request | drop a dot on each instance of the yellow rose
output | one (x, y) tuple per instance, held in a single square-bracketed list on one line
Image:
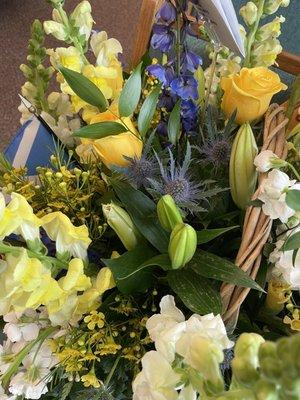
[(250, 93), (112, 150)]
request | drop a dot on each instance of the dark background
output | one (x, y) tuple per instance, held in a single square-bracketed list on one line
[(117, 17)]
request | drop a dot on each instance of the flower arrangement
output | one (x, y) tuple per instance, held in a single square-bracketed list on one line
[(140, 208)]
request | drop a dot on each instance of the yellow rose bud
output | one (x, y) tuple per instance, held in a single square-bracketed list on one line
[(119, 220), (250, 93), (242, 172), (183, 244)]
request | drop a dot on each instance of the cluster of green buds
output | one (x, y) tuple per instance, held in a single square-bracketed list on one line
[(74, 29), (37, 75), (242, 172), (262, 44), (183, 238), (120, 221), (266, 370)]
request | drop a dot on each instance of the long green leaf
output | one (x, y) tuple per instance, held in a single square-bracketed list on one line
[(84, 88), (131, 93), (161, 260), (293, 199), (147, 111), (197, 293), (143, 213), (206, 235), (292, 242), (100, 130), (174, 124), (211, 266), (129, 273)]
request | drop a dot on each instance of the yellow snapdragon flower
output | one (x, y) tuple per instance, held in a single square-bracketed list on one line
[(68, 57), (69, 238), (105, 50), (75, 279), (18, 218)]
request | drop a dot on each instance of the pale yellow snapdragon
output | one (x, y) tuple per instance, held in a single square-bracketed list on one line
[(69, 238)]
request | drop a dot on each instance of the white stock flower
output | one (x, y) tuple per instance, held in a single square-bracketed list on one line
[(286, 267), (273, 194), (32, 381), (4, 396), (263, 161), (157, 380), (166, 328), (22, 326)]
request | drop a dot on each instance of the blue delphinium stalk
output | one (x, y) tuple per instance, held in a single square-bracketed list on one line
[(176, 75)]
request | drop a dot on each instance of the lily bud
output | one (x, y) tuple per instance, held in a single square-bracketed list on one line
[(119, 220), (183, 244), (242, 172), (249, 13), (168, 213)]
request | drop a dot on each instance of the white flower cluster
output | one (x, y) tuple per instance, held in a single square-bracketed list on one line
[(193, 344), (275, 187), (31, 378), (286, 264)]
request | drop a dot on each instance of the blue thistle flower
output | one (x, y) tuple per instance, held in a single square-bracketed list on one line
[(177, 181), (216, 151)]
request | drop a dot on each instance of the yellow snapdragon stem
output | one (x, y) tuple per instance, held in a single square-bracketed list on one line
[(20, 356), (251, 38)]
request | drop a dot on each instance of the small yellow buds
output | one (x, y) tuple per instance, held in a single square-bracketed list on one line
[(168, 213), (119, 220), (242, 172), (183, 244)]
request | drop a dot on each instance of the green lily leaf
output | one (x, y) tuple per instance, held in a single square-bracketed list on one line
[(213, 267), (206, 235), (197, 293), (293, 199)]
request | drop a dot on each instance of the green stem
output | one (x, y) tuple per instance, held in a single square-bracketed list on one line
[(20, 356), (252, 34), (292, 168), (112, 371), (178, 44)]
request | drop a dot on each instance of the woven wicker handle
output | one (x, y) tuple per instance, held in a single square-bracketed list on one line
[(257, 226)]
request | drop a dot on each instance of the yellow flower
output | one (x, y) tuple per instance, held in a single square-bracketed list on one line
[(68, 57), (18, 218), (94, 320), (104, 281), (90, 379), (249, 92), (69, 238), (113, 150), (83, 19), (105, 50), (294, 323), (75, 280)]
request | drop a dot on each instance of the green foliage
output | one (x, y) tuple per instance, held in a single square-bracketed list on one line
[(174, 124), (84, 88), (198, 294), (100, 130), (293, 199), (147, 111), (131, 93)]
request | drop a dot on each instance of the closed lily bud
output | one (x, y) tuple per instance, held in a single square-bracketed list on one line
[(183, 244), (242, 172), (249, 13), (119, 220), (168, 213)]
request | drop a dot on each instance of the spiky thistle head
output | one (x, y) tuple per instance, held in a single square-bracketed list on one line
[(139, 170), (177, 181), (216, 151)]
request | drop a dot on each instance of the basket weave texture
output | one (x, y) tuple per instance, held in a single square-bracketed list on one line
[(257, 226)]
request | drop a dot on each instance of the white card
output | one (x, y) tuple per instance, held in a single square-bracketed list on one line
[(221, 14)]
